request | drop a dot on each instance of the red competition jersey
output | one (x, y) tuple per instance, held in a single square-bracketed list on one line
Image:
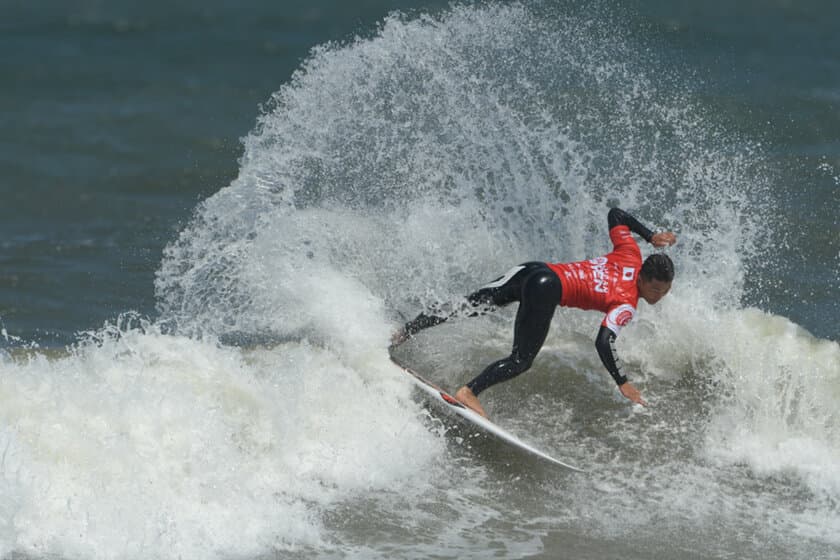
[(605, 283)]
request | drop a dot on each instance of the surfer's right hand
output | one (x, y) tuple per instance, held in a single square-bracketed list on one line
[(630, 392)]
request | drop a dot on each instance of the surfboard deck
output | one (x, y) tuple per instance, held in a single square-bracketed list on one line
[(453, 405)]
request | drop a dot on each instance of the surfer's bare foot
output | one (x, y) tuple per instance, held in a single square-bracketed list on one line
[(399, 337), (466, 397)]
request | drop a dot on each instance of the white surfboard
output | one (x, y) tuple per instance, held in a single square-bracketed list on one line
[(477, 419)]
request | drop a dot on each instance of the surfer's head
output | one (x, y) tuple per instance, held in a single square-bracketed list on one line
[(655, 277)]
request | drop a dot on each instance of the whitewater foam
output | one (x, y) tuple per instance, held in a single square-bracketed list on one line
[(148, 444)]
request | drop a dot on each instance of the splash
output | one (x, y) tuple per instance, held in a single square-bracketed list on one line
[(421, 161), (138, 443)]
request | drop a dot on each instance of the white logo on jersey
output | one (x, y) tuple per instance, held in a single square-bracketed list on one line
[(619, 317), (628, 273), (599, 271)]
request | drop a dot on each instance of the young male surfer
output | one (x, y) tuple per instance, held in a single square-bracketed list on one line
[(611, 284)]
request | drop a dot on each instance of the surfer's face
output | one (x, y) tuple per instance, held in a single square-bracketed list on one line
[(653, 290)]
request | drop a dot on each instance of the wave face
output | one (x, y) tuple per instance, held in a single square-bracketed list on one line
[(260, 414)]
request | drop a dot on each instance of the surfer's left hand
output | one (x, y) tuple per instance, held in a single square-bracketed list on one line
[(663, 239), (630, 392)]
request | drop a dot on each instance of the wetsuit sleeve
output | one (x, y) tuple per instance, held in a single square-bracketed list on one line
[(618, 217), (605, 344)]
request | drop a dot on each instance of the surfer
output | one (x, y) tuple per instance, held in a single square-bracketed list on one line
[(612, 284)]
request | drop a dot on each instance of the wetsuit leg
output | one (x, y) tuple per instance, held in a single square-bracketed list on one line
[(540, 293), (423, 321), (505, 289), (498, 293)]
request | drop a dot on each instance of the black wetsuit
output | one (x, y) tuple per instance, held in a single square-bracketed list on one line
[(538, 291)]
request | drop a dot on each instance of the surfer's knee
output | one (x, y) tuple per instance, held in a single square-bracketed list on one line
[(519, 364), (483, 296)]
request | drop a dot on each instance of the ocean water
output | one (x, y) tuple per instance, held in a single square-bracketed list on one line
[(214, 216)]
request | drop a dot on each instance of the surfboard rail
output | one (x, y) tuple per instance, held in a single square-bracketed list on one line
[(458, 408)]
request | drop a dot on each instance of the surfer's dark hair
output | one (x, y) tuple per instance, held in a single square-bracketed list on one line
[(658, 267)]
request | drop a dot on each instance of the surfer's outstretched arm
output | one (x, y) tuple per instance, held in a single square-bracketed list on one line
[(618, 217), (605, 344)]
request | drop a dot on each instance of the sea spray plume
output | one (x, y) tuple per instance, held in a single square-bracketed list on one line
[(416, 162)]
